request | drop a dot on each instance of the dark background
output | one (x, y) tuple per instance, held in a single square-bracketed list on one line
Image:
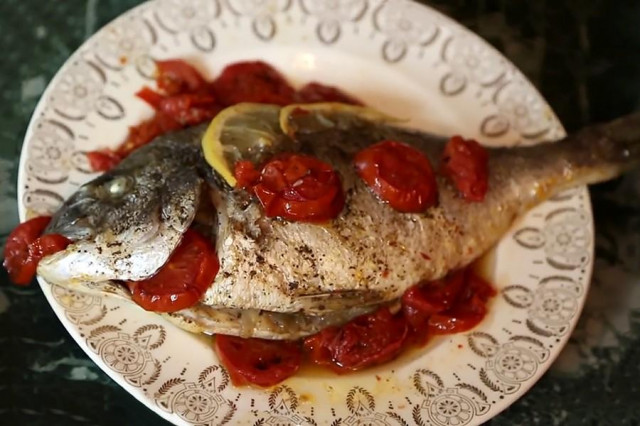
[(583, 55)]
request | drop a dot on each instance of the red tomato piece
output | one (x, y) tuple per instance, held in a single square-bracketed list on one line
[(16, 250), (25, 247), (182, 281), (316, 92), (481, 287), (466, 162), (245, 174), (469, 310), (146, 131), (451, 305), (189, 109), (150, 96), (176, 76), (258, 361), (399, 175), (252, 81), (363, 342), (299, 187), (47, 244), (103, 160), (422, 301)]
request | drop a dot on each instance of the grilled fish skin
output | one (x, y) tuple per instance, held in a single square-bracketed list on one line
[(372, 253), (369, 255)]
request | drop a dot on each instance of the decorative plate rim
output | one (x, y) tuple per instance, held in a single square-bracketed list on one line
[(75, 332)]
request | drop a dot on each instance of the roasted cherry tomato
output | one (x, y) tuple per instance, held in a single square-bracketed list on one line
[(316, 92), (252, 81), (299, 187), (190, 109), (25, 248), (176, 76), (398, 174), (465, 161), (245, 173), (103, 160), (48, 244), (146, 131), (470, 307), (258, 361), (150, 96), (182, 281), (363, 342), (187, 109), (422, 301), (453, 304)]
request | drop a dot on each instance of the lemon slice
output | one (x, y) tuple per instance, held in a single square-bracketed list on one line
[(324, 115), (245, 131)]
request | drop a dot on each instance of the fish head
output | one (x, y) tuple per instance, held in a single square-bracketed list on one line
[(125, 223)]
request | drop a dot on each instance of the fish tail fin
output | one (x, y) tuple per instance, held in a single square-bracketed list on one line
[(615, 144), (623, 137), (603, 151)]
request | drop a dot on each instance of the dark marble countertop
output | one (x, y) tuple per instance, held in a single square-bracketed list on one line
[(583, 55)]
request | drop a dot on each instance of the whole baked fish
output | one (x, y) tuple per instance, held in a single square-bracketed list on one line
[(283, 279)]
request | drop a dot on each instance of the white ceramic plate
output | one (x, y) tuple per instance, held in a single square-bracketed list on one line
[(398, 56)]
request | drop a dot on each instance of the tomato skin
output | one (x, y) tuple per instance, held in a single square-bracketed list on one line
[(453, 304), (187, 109), (258, 361), (245, 173), (182, 281), (190, 109), (25, 247), (465, 162), (252, 81), (177, 76), (317, 92), (363, 342), (150, 96), (399, 175), (139, 135), (146, 131), (48, 244), (103, 160), (16, 250), (421, 302), (299, 187), (469, 310)]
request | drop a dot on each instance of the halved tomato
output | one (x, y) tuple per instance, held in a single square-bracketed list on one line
[(470, 307), (252, 81), (398, 174), (103, 160), (182, 281), (176, 76), (245, 173), (258, 361), (317, 92), (465, 161), (365, 341), (25, 248), (299, 187)]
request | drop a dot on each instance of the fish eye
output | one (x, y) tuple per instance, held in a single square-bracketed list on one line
[(118, 186)]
